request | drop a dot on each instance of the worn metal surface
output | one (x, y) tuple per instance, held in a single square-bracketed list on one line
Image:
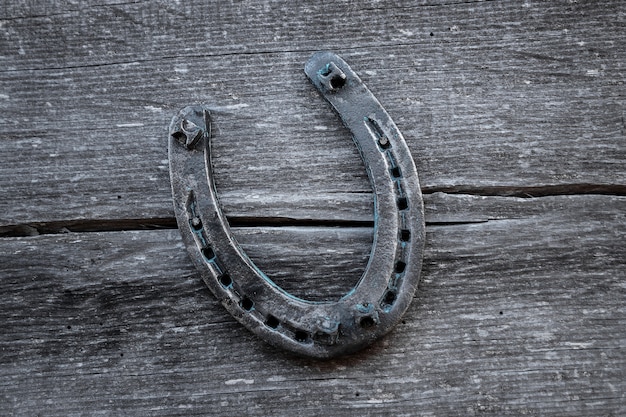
[(386, 288)]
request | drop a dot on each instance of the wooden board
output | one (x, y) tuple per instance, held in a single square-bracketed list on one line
[(120, 322), (502, 97), (514, 113)]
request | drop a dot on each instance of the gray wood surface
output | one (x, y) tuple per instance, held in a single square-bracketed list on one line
[(514, 113), (502, 95), (118, 322)]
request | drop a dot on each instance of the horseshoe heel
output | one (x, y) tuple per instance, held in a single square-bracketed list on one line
[(386, 288)]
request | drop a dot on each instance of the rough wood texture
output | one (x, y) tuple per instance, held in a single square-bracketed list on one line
[(120, 322), (521, 310), (503, 94)]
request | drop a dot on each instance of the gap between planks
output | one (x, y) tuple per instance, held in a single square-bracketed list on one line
[(116, 225)]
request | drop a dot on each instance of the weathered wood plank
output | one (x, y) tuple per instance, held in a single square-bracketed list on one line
[(521, 310), (503, 94), (440, 208), (521, 315)]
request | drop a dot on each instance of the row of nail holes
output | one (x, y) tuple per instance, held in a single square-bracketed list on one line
[(225, 280), (404, 234), (271, 321)]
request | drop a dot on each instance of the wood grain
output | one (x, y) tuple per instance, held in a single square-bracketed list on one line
[(514, 114), (501, 95), (119, 322)]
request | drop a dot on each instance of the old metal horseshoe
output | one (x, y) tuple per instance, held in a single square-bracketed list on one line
[(383, 293)]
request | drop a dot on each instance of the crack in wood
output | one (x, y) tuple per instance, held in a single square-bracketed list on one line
[(119, 225), (116, 225), (77, 226), (532, 191)]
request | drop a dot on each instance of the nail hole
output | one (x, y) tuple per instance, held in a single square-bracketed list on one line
[(179, 136), (247, 304), (225, 280), (366, 322), (208, 253), (403, 203), (325, 338), (196, 223), (390, 297), (272, 322), (337, 81), (395, 171), (301, 336), (432, 34), (384, 142), (405, 235), (400, 266)]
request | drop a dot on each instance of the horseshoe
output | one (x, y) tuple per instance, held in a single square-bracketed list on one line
[(383, 293)]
